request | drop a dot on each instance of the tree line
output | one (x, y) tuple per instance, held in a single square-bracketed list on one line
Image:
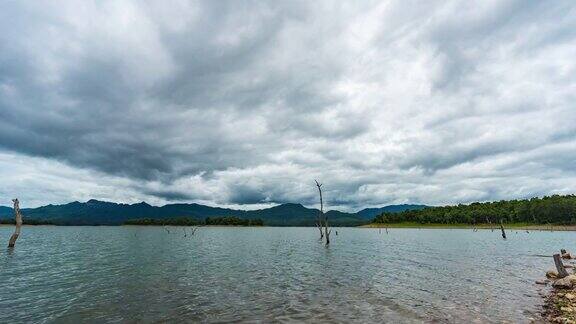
[(188, 221), (27, 222), (556, 209)]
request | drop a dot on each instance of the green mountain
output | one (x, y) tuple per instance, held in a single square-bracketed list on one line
[(95, 212), (5, 212)]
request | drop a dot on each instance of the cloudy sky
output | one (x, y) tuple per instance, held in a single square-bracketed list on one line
[(245, 103)]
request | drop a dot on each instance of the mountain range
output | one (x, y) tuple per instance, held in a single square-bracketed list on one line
[(95, 212)]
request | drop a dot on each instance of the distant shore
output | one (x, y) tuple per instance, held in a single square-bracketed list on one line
[(515, 226)]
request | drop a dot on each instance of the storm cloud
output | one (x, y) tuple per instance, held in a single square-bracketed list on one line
[(245, 103)]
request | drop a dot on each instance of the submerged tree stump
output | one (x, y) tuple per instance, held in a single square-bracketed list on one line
[(565, 255), (18, 217), (502, 229), (560, 266)]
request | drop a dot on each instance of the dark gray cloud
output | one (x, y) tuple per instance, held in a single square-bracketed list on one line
[(168, 195), (244, 103)]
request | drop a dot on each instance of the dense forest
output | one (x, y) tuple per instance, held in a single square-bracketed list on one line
[(554, 209), (234, 221), (188, 221)]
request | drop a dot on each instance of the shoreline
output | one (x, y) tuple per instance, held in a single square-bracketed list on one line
[(512, 226), (560, 297)]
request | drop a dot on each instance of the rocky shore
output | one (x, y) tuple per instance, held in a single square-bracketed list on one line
[(560, 302)]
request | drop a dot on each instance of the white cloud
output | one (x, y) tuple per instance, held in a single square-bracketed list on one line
[(246, 103)]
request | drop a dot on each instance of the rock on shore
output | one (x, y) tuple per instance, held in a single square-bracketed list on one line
[(560, 306)]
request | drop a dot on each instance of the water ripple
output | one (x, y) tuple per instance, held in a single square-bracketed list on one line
[(284, 275)]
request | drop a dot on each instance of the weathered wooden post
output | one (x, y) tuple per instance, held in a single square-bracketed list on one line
[(502, 228), (18, 216), (560, 266)]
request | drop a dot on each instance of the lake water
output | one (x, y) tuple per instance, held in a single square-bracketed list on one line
[(144, 274)]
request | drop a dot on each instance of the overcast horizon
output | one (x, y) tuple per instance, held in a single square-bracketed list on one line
[(244, 104)]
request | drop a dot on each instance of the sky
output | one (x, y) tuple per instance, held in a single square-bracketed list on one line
[(244, 103)]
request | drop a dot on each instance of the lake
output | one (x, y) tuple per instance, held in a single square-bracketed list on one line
[(224, 274)]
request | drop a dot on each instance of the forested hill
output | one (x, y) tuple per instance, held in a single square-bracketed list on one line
[(95, 212), (547, 210), (372, 212)]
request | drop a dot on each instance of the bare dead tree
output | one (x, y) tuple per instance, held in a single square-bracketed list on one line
[(322, 216), (320, 212), (18, 216)]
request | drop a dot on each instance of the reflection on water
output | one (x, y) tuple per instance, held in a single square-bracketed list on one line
[(145, 274)]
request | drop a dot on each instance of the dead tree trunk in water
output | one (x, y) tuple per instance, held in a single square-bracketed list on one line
[(327, 231), (321, 216), (319, 226), (18, 216), (502, 229), (560, 266), (320, 212)]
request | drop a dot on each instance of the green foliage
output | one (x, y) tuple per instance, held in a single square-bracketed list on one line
[(554, 209)]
